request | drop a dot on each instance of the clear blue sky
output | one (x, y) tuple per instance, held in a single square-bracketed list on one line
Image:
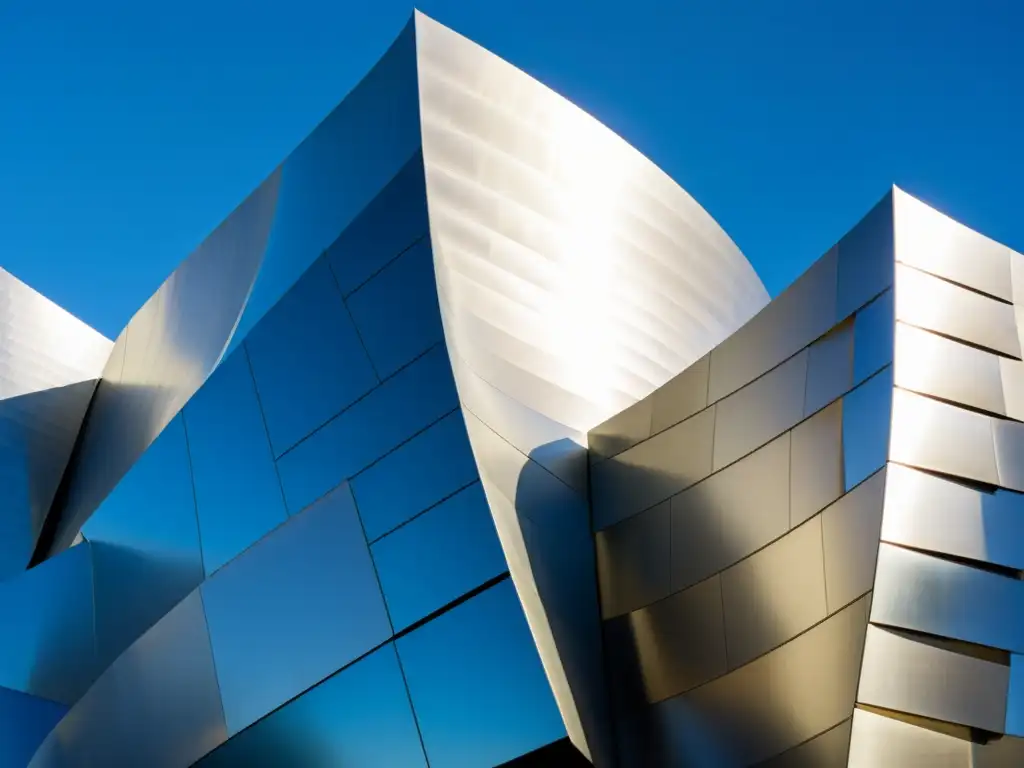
[(128, 130)]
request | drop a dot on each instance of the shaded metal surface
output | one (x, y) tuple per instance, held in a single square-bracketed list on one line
[(49, 364), (352, 482), (157, 705), (574, 278), (163, 356)]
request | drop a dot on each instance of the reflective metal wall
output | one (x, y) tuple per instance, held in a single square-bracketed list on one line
[(736, 513), (807, 542), (49, 364), (574, 277), (937, 683)]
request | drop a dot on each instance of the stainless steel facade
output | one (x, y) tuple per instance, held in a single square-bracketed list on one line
[(818, 563), (470, 439)]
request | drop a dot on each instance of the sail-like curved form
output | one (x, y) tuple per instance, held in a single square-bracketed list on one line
[(331, 492), (574, 277), (469, 439)]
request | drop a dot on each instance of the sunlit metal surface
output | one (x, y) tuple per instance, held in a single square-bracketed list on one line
[(49, 364), (574, 278), (470, 431), (886, 372)]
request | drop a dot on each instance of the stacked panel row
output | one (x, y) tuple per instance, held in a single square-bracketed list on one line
[(737, 513), (308, 539), (937, 685)]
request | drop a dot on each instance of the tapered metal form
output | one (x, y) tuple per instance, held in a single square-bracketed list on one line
[(329, 502), (469, 439)]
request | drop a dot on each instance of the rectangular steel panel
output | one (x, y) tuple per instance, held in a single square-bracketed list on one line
[(917, 675), (936, 366), (681, 397), (731, 514), (877, 740), (760, 411), (850, 532), (936, 305), (816, 463), (930, 594), (672, 645), (933, 242), (774, 594), (933, 435), (936, 514), (798, 316), (829, 367), (633, 561), (652, 471)]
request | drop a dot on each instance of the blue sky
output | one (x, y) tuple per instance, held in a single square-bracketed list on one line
[(129, 130)]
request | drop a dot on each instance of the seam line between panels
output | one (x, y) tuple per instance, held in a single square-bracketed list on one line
[(958, 284), (402, 444), (805, 741), (958, 340), (195, 496), (390, 641), (735, 391), (744, 456), (325, 494), (351, 319), (373, 563), (707, 397), (966, 562), (957, 404), (216, 674), (606, 665), (760, 656), (526, 456), (424, 511), (359, 399), (391, 260), (266, 428), (299, 695), (749, 555), (968, 482), (412, 706), (451, 604)]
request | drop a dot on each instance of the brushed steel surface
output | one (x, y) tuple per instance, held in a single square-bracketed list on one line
[(942, 368), (918, 675), (933, 435), (935, 243), (940, 306), (937, 514)]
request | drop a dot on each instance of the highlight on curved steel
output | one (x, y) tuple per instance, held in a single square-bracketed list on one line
[(329, 501), (470, 439), (809, 543)]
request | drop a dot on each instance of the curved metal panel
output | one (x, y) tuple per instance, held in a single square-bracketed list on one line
[(934, 243), (936, 514), (574, 278), (49, 364), (157, 705), (163, 356), (937, 305), (917, 674), (876, 740), (767, 706)]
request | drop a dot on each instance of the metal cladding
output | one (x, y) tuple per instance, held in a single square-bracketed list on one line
[(808, 543), (470, 439), (329, 501)]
